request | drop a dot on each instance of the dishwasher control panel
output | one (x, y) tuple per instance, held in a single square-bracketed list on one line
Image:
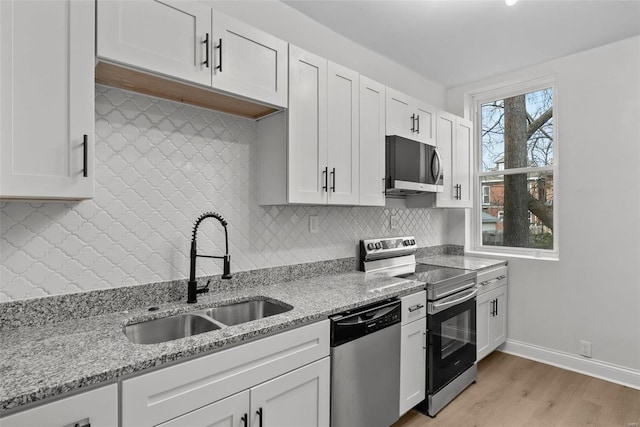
[(357, 323)]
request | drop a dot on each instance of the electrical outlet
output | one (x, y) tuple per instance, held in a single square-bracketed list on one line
[(585, 348), (313, 224), (393, 221)]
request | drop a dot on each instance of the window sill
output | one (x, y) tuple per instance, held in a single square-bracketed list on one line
[(536, 255)]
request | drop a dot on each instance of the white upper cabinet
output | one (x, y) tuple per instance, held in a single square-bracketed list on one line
[(307, 140), (47, 99), (189, 41), (311, 155), (454, 137), (248, 62), (372, 142), (167, 37), (343, 135), (409, 118)]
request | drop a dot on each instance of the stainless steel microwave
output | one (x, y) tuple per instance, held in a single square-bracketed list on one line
[(412, 167)]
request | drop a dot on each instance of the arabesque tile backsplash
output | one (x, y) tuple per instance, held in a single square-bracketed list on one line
[(159, 165)]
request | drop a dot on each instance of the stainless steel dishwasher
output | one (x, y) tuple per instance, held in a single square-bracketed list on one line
[(365, 366)]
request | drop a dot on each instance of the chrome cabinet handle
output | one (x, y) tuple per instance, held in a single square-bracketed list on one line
[(259, 412), (384, 181), (245, 420), (415, 307), (413, 123), (418, 123)]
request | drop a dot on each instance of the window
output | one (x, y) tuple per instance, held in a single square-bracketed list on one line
[(517, 170), (486, 200)]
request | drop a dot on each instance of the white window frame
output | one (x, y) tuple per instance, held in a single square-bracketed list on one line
[(473, 241)]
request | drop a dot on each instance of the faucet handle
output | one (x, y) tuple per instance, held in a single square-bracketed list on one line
[(204, 289)]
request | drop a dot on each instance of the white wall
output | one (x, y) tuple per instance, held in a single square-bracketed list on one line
[(288, 24), (593, 292)]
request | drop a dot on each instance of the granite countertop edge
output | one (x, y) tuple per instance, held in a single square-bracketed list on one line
[(41, 363), (466, 262)]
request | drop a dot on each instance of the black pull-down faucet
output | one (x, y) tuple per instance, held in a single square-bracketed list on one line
[(192, 289)]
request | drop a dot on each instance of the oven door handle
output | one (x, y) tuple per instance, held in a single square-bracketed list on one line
[(438, 307)]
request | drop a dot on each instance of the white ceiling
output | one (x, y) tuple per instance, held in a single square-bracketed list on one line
[(456, 42)]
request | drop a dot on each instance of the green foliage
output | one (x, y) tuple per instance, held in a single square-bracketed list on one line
[(541, 241)]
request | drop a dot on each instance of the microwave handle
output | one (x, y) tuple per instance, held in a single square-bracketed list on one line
[(437, 175)]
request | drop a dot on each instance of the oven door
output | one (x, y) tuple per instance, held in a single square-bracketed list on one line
[(452, 338)]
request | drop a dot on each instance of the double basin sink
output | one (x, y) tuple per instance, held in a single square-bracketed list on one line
[(197, 322)]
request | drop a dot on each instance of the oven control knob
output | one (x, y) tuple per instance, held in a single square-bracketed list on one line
[(406, 243), (413, 242), (378, 245), (370, 246)]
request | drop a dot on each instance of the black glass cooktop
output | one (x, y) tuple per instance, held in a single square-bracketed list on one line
[(433, 274)]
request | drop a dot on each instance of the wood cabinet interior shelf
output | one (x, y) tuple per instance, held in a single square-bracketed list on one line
[(148, 84)]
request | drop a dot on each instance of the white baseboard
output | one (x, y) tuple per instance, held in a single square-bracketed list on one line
[(595, 368)]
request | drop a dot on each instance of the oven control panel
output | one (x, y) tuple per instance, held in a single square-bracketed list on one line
[(388, 246)]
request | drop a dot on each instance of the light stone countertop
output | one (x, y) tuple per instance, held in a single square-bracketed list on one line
[(466, 262), (41, 362)]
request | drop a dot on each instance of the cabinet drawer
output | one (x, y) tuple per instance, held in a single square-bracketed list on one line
[(414, 307), (159, 396), (97, 407), (492, 279)]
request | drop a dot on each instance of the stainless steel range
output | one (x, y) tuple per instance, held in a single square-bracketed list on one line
[(451, 315)]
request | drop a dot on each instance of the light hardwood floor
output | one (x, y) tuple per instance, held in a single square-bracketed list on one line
[(512, 392)]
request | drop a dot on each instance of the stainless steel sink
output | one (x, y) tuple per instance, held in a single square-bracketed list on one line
[(246, 311), (169, 328)]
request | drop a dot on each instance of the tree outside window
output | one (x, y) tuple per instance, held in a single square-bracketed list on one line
[(517, 154)]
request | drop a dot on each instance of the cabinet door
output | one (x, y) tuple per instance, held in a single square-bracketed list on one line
[(167, 37), (446, 132), (97, 407), (425, 123), (463, 162), (47, 99), (307, 166), (372, 148), (413, 362), (248, 62), (483, 324), (498, 333), (399, 114), (227, 412), (297, 399), (343, 135)]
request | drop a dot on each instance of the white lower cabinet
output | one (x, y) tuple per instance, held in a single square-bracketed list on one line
[(413, 352), (299, 398), (286, 376), (98, 408), (491, 313)]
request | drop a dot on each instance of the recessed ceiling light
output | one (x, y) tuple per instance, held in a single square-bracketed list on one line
[(510, 2)]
